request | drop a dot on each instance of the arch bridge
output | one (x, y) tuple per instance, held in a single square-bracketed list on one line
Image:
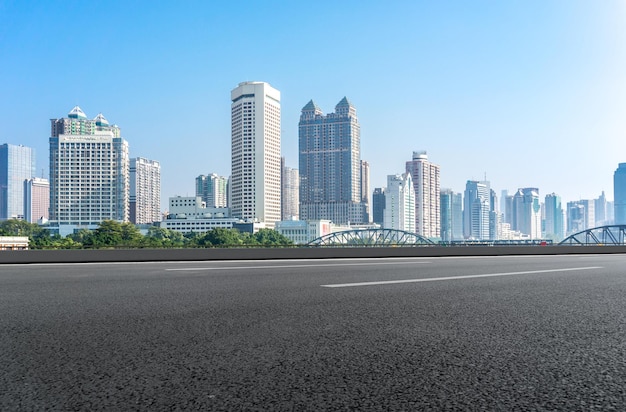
[(602, 235), (371, 237)]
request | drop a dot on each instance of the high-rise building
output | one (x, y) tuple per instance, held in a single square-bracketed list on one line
[(255, 153), (425, 176), (400, 203), (619, 193), (330, 164), (213, 189), (36, 200), (476, 210), (527, 212), (554, 227), (89, 171), (17, 164), (291, 192), (365, 190), (601, 210), (495, 218), (145, 191), (378, 205), (581, 215), (451, 215)]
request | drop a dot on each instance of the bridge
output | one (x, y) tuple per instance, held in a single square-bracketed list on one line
[(372, 237), (602, 235)]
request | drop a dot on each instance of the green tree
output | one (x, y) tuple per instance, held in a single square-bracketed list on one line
[(220, 237), (270, 237), (159, 237)]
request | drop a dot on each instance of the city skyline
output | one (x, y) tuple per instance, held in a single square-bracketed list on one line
[(516, 91)]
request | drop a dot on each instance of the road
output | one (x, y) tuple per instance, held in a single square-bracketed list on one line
[(484, 333)]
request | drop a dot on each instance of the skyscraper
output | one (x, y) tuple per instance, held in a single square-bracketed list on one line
[(17, 164), (255, 153), (213, 189), (527, 212), (619, 190), (600, 207), (89, 171), (365, 190), (36, 199), (554, 228), (451, 215), (425, 176), (378, 205), (145, 191), (476, 210), (291, 192), (581, 215), (400, 203), (330, 164)]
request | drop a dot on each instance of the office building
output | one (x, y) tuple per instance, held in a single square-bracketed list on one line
[(581, 215), (476, 210), (191, 214), (17, 164), (145, 191), (290, 192), (451, 215), (330, 165), (527, 212), (255, 153), (36, 200), (378, 205), (425, 176), (89, 171), (303, 231), (213, 189), (365, 190), (619, 193), (400, 203), (601, 210), (554, 227)]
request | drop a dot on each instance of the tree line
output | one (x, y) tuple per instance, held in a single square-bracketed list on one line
[(114, 234)]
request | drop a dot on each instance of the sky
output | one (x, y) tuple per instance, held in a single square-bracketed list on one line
[(524, 93)]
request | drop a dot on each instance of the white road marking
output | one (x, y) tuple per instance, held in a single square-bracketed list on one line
[(290, 266), (489, 275)]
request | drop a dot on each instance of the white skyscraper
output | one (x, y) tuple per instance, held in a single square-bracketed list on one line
[(399, 203), (427, 195), (255, 153), (89, 171), (145, 191)]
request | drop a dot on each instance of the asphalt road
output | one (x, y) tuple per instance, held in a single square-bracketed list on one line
[(487, 333)]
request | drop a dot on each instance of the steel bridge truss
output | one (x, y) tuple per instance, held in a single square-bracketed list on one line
[(603, 235), (371, 237)]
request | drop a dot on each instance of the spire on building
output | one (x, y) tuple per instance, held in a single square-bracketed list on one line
[(76, 113), (101, 120)]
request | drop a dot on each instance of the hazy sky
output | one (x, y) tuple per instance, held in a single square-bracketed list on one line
[(531, 93)]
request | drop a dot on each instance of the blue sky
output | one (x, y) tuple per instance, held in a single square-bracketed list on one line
[(529, 93)]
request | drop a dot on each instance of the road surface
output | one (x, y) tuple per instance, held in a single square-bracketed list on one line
[(484, 333)]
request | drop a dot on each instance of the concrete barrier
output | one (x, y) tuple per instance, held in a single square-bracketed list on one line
[(161, 255)]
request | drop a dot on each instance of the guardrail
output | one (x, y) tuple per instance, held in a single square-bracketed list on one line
[(160, 255)]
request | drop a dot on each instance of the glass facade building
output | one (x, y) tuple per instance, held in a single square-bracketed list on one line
[(17, 164), (619, 190)]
